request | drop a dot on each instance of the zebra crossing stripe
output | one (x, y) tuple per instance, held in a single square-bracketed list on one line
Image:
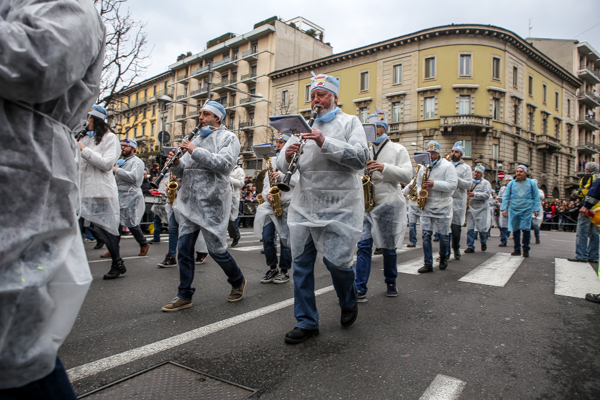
[(496, 271), (410, 267), (444, 388), (248, 248), (574, 279)]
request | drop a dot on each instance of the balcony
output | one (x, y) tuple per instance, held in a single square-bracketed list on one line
[(230, 127), (221, 87), (545, 142), (200, 92), (247, 126), (180, 116), (571, 181), (248, 78), (589, 75), (182, 77), (589, 123), (247, 102), (395, 127), (224, 64), (480, 123), (250, 55), (589, 99), (194, 113), (198, 73), (588, 148), (168, 92)]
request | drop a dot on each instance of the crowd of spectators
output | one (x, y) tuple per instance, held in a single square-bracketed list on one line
[(561, 215)]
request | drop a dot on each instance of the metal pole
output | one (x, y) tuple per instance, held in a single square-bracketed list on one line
[(209, 83)]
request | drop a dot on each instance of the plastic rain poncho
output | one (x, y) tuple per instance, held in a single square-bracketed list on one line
[(51, 57), (327, 203), (204, 197), (438, 206), (161, 209), (129, 177), (524, 198), (388, 218), (537, 221), (414, 213), (236, 178), (459, 197), (99, 194), (478, 214), (493, 206), (264, 212), (502, 221)]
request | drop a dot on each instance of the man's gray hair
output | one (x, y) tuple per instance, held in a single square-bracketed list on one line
[(592, 167)]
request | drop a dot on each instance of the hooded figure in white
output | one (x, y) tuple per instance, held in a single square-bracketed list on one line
[(384, 226), (129, 176), (44, 95), (326, 211), (502, 220), (478, 214), (236, 178)]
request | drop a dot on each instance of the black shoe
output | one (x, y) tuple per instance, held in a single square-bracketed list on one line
[(235, 241), (200, 258), (457, 254), (153, 241), (436, 240), (349, 316), (502, 245), (169, 262), (99, 245), (116, 269), (425, 268), (516, 253), (469, 250), (299, 335), (377, 251), (483, 246), (593, 262), (443, 263), (576, 260), (525, 253), (594, 298), (537, 241)]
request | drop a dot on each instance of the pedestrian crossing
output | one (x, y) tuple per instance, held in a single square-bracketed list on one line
[(494, 272)]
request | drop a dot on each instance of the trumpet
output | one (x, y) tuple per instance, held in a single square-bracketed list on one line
[(423, 193), (177, 155), (412, 193), (284, 185)]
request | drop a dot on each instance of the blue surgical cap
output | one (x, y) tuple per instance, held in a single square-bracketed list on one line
[(215, 108), (99, 112), (325, 82)]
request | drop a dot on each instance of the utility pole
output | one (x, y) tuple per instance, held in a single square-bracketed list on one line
[(530, 27)]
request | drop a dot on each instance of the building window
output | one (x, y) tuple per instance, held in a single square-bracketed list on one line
[(516, 151), (396, 112), (429, 107), (135, 131), (152, 128), (556, 100), (516, 114), (284, 98), (307, 93), (464, 105), (495, 151), (568, 168), (496, 109), (252, 89), (153, 110), (465, 65), (530, 87), (235, 53), (234, 76), (253, 69), (515, 77), (544, 94), (143, 129), (232, 97), (397, 74), (544, 162), (530, 157), (364, 81), (430, 68), (496, 68), (223, 99), (530, 127), (364, 115), (544, 124), (467, 144), (154, 91), (557, 129), (556, 165), (254, 46), (569, 135), (568, 107)]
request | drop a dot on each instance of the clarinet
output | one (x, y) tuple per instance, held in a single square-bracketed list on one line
[(285, 184), (177, 155)]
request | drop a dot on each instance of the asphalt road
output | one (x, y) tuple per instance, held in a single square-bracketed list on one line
[(517, 341)]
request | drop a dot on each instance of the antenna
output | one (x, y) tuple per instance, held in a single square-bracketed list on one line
[(530, 27)]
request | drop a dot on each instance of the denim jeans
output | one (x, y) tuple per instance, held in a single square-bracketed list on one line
[(472, 236), (270, 247), (55, 385), (363, 265), (412, 233), (586, 247), (455, 237), (111, 241), (305, 305), (503, 235), (187, 267), (137, 233), (536, 230), (428, 250), (157, 227), (173, 235), (526, 239)]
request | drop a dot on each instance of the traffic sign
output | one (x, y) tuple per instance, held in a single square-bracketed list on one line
[(500, 175), (164, 137)]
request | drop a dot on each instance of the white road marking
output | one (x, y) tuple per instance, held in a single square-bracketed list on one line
[(405, 249), (104, 364), (249, 248), (411, 267), (496, 271), (574, 279), (568, 241), (124, 258), (444, 388)]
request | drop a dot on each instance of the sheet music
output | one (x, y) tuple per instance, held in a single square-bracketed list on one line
[(422, 157), (290, 124)]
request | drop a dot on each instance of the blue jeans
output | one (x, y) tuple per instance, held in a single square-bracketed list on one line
[(503, 235), (472, 236), (173, 235), (412, 233), (270, 247), (428, 250), (363, 265), (586, 247), (305, 305), (455, 237), (187, 267), (526, 239), (536, 230), (157, 227), (54, 386)]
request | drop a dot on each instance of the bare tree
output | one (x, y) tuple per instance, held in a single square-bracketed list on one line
[(126, 58), (284, 106)]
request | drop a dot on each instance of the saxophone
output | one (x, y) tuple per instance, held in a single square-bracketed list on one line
[(423, 193), (412, 193), (467, 208), (274, 191), (368, 190), (172, 190)]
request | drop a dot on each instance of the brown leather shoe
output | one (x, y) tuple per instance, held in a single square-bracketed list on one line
[(144, 250), (177, 304), (411, 245), (237, 293), (105, 255)]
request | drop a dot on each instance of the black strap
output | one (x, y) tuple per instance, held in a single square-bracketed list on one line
[(375, 154)]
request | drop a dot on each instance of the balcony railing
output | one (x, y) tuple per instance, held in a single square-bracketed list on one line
[(249, 52), (590, 99), (248, 76), (245, 100), (547, 142), (200, 70), (588, 147), (194, 113), (588, 74), (182, 76), (395, 127), (198, 91), (247, 125), (180, 116), (448, 122), (589, 122)]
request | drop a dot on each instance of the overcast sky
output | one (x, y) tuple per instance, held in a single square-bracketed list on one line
[(179, 26)]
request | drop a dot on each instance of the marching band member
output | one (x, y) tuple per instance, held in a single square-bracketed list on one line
[(478, 214), (536, 223), (414, 214), (441, 184), (204, 202), (464, 177), (502, 220), (326, 211), (385, 224), (236, 178), (266, 223)]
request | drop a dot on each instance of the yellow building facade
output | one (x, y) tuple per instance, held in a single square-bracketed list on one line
[(484, 85)]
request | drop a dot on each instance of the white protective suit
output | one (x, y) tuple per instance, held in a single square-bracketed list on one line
[(438, 206), (414, 213), (387, 220), (264, 212), (99, 194), (478, 214), (161, 209), (459, 198), (51, 57), (327, 204), (236, 178), (204, 197), (502, 221), (540, 218), (129, 178)]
